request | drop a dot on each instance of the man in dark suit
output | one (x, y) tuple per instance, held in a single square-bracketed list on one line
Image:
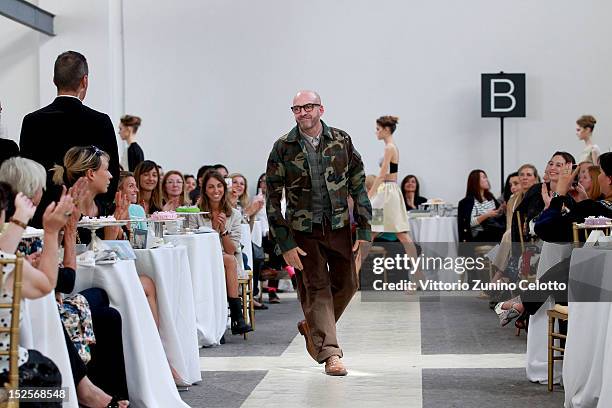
[(8, 148), (48, 133)]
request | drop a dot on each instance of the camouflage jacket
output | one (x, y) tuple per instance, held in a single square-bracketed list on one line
[(288, 169)]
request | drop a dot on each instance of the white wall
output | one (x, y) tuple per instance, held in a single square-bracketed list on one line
[(213, 81), (18, 75)]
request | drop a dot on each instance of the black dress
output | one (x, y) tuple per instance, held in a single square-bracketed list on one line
[(135, 156)]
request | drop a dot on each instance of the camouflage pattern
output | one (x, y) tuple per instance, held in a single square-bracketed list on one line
[(288, 169)]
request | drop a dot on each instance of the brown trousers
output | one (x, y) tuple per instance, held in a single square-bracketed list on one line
[(327, 283)]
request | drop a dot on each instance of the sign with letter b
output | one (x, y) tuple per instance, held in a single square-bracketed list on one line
[(503, 95)]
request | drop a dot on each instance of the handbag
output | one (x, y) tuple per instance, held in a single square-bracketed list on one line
[(76, 318)]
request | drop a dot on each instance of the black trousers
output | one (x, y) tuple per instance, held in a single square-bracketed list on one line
[(107, 366), (534, 299)]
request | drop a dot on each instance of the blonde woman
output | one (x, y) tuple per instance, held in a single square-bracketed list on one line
[(239, 197)]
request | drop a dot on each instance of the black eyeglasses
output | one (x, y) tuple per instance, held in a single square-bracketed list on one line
[(307, 108)]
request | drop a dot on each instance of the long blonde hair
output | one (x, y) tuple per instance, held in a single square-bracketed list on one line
[(244, 197), (77, 161)]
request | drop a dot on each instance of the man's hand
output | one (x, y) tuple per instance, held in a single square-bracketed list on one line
[(292, 257)]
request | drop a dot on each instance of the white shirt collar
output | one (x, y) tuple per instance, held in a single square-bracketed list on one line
[(69, 96)]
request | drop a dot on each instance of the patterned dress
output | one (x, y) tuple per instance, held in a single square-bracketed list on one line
[(6, 296)]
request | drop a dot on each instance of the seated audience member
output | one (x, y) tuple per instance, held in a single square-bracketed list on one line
[(527, 177), (511, 186), (239, 197), (190, 183), (221, 169), (173, 186), (128, 127), (588, 187), (584, 130), (537, 198), (127, 185), (29, 177), (479, 211), (555, 225), (410, 188), (35, 370), (226, 221), (195, 194), (92, 164), (148, 182)]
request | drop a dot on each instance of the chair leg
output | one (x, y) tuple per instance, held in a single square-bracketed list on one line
[(244, 305), (251, 304), (551, 361)]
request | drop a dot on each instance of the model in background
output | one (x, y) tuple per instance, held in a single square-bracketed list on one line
[(584, 130), (128, 127)]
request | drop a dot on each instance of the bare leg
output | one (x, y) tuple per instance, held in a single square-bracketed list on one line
[(411, 251), (91, 396), (149, 288), (231, 275)]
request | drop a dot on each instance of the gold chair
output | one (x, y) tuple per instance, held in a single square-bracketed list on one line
[(248, 307), (13, 330), (558, 313), (587, 229)]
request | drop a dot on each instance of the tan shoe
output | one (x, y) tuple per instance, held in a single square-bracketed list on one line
[(334, 366), (304, 330)]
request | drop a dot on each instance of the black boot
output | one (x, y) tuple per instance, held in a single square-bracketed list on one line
[(239, 326)]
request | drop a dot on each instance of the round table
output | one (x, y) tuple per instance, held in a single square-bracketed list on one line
[(208, 283), (437, 237), (169, 269)]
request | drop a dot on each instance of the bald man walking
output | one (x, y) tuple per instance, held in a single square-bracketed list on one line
[(319, 169)]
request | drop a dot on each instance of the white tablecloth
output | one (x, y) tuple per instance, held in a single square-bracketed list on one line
[(537, 336), (208, 281), (245, 240), (148, 374), (169, 269), (587, 367), (257, 233), (437, 236), (41, 330)]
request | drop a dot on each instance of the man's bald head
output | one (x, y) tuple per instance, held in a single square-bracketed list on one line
[(306, 96)]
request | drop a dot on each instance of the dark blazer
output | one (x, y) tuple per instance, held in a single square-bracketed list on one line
[(48, 133), (417, 201), (464, 216), (8, 149), (530, 207), (555, 225)]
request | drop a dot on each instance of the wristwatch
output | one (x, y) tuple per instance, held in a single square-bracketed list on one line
[(224, 233)]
